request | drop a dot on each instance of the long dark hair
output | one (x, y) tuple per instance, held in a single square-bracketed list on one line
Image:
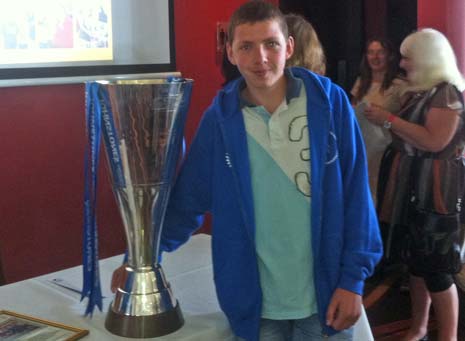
[(366, 76)]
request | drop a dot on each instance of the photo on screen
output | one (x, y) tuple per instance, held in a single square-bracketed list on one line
[(58, 38)]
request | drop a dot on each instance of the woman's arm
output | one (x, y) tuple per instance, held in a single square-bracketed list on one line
[(434, 136)]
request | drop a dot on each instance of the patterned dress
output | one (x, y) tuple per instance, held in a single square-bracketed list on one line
[(408, 174)]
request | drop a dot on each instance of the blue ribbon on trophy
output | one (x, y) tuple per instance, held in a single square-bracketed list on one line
[(91, 287), (98, 118)]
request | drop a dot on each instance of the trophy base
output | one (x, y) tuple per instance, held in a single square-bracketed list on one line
[(144, 326)]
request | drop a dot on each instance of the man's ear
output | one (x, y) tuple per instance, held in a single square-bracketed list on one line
[(289, 47), (229, 51)]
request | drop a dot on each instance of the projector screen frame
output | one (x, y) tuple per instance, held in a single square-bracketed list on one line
[(93, 70)]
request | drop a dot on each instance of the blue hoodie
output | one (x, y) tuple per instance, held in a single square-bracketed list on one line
[(215, 177)]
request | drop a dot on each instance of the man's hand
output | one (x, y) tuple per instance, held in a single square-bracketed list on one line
[(344, 309), (118, 277)]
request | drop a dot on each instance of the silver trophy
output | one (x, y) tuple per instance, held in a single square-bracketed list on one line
[(146, 121)]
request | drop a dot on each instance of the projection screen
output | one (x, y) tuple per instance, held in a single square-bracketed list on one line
[(69, 38)]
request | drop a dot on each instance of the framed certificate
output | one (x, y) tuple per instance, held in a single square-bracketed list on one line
[(14, 326)]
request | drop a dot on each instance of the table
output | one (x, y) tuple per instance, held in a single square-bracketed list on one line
[(189, 271)]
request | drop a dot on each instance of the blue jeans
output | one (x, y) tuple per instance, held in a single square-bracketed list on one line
[(307, 329)]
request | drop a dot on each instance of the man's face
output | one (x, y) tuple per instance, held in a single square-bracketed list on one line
[(260, 51)]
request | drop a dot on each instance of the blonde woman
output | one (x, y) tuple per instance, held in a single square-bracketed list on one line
[(424, 173)]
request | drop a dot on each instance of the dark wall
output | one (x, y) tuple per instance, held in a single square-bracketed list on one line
[(344, 25), (339, 24), (401, 19)]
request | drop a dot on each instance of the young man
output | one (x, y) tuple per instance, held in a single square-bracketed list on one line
[(278, 160)]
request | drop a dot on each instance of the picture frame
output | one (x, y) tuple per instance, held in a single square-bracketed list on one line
[(15, 326)]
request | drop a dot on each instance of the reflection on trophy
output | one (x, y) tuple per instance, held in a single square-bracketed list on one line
[(144, 122)]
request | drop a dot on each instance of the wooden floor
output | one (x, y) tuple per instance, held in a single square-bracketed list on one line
[(387, 303)]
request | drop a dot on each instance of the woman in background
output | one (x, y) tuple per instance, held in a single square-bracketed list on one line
[(379, 84), (308, 52), (379, 81), (424, 170)]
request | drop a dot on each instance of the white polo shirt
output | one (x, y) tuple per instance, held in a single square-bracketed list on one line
[(279, 155)]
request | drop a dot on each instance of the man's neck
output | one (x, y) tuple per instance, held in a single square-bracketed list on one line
[(269, 98)]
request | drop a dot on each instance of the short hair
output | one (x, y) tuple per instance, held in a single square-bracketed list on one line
[(308, 51), (366, 76), (256, 11), (433, 60)]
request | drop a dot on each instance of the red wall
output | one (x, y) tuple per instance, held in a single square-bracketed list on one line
[(446, 16), (41, 181), (43, 134)]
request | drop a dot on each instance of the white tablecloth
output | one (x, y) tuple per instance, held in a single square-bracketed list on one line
[(188, 270)]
